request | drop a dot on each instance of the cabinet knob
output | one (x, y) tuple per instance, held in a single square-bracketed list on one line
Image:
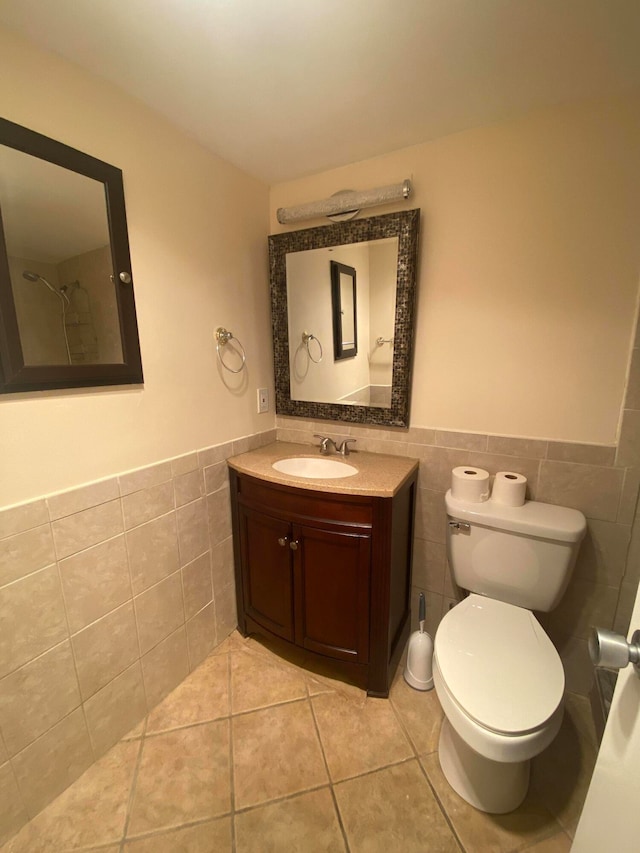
[(282, 541), (294, 545)]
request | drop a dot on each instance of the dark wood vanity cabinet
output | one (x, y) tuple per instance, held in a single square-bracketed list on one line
[(329, 573)]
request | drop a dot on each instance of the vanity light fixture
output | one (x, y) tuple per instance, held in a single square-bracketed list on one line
[(347, 201)]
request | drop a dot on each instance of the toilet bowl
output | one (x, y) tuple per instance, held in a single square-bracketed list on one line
[(497, 675), (500, 682)]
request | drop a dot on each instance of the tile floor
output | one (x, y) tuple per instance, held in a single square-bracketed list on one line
[(255, 755)]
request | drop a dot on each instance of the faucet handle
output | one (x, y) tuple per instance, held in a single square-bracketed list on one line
[(324, 442), (343, 447)]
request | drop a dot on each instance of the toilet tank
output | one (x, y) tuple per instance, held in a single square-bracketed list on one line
[(521, 555)]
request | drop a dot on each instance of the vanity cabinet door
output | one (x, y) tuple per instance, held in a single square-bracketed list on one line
[(332, 592), (267, 572)]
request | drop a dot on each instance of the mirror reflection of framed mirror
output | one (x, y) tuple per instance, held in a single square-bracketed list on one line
[(344, 310), (67, 310), (373, 385)]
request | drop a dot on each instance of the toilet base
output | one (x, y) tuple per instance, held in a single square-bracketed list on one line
[(490, 786)]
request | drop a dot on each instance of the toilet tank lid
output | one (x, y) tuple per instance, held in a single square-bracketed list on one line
[(545, 521)]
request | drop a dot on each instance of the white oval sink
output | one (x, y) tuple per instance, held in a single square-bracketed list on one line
[(314, 467)]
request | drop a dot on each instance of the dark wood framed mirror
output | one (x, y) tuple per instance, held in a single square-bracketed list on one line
[(374, 386), (67, 309), (344, 310)]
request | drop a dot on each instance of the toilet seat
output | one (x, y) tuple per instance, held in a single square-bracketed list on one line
[(499, 667)]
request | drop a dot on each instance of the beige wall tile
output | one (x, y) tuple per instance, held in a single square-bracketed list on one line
[(215, 477), (624, 608), (528, 448), (431, 516), (603, 552), (144, 478), (165, 666), (13, 814), (153, 551), (201, 635), (240, 445), (32, 618), (77, 500), (183, 464), (26, 552), (584, 604), (219, 510), (629, 497), (50, 764), (4, 755), (159, 611), (420, 435), (436, 464), (196, 585), (586, 454), (629, 441), (193, 533), (632, 398), (95, 581), (592, 489), (298, 436), (632, 570), (146, 504), (105, 649), (461, 440), (188, 487), (267, 437), (222, 565), (429, 564), (83, 529), (24, 517), (36, 696), (226, 613), (116, 709), (218, 453), (578, 669)]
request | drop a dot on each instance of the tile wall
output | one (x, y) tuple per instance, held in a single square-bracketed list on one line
[(600, 481), (110, 595)]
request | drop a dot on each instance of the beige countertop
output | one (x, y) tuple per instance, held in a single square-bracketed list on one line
[(378, 474)]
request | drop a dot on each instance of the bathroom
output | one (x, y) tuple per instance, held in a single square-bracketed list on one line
[(524, 358)]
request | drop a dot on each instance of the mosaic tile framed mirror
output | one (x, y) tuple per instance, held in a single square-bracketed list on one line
[(373, 386)]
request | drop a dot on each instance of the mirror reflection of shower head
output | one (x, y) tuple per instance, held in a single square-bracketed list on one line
[(34, 276)]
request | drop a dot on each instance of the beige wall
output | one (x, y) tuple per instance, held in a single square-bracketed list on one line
[(529, 265), (197, 228)]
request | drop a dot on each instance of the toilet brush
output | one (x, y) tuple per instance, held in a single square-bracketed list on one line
[(418, 671)]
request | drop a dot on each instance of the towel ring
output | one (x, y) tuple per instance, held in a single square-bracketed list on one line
[(306, 337), (222, 339)]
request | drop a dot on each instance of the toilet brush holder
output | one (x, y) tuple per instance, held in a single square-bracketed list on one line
[(418, 672)]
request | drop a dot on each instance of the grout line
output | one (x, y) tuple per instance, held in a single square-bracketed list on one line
[(440, 805), (232, 782), (134, 783), (165, 830)]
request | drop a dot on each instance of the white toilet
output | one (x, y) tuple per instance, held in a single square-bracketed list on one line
[(498, 677)]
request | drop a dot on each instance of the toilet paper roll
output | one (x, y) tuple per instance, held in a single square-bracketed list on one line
[(470, 484), (509, 488)]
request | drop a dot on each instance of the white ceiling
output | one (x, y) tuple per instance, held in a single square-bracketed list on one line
[(284, 88)]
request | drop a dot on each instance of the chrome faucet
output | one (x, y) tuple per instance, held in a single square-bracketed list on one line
[(343, 447), (327, 443)]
